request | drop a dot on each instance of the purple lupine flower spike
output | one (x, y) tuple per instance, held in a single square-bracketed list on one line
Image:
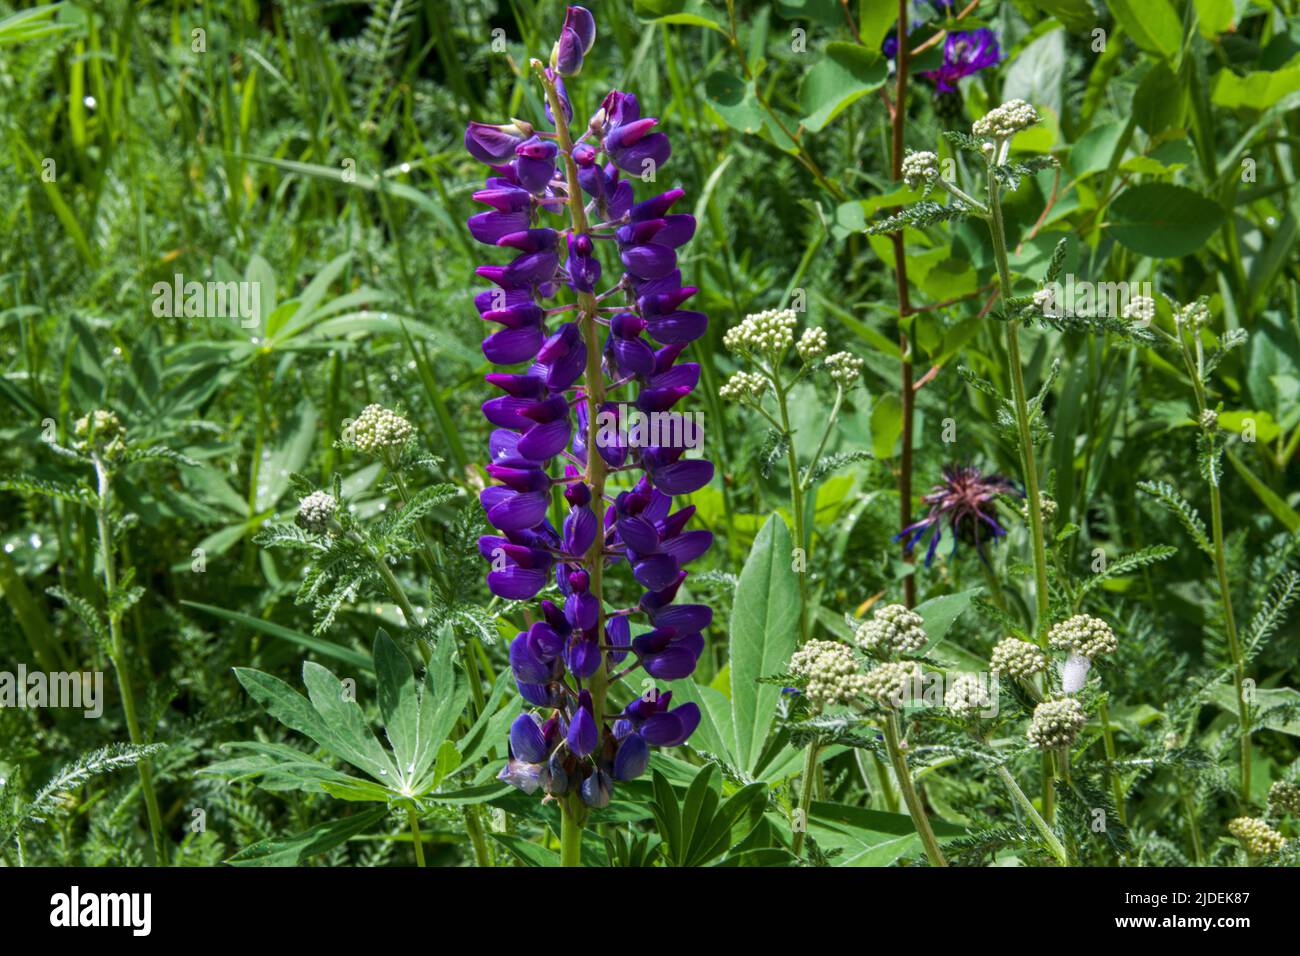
[(548, 410)]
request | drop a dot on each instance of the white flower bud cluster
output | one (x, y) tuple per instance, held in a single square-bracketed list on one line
[(1045, 302), (1141, 308), (767, 332), (1193, 315), (1056, 723), (1046, 507), (1259, 838), (1017, 658), (742, 385), (845, 368), (831, 672), (812, 344), (1085, 635), (1283, 798), (920, 168), (893, 629), (1209, 420), (316, 511), (377, 428), (102, 430), (1006, 120), (887, 683), (967, 696)]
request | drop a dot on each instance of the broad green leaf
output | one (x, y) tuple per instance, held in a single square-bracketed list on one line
[(941, 612), (1255, 91), (691, 13), (1153, 24), (347, 723), (886, 425), (527, 852), (322, 647), (844, 75), (764, 631), (1277, 507), (868, 837), (1163, 221), (289, 851), (1158, 103), (1265, 699), (1213, 17), (1036, 74), (715, 735), (735, 101), (399, 705)]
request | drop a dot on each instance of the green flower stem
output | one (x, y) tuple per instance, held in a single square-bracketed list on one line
[(1108, 740), (1196, 372), (414, 820), (796, 497), (904, 776), (1049, 836), (826, 434), (121, 661), (593, 384), (805, 796), (477, 839), (1028, 464), (570, 832), (1049, 788), (1193, 824)]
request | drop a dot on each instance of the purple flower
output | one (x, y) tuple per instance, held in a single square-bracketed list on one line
[(961, 502), (965, 53), (546, 308)]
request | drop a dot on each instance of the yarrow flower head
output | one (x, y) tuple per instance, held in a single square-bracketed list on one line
[(1257, 836), (100, 431), (812, 344), (1284, 798), (1056, 723), (1046, 507), (887, 683), (1208, 419), (1005, 121), (845, 368), (377, 429), (1141, 308), (1017, 658), (893, 629), (554, 200), (920, 168), (1193, 315), (770, 332), (316, 511), (743, 385), (961, 503), (831, 673), (967, 696), (1085, 635)]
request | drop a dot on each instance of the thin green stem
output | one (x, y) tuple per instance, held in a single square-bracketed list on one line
[(904, 777), (1108, 740), (414, 820), (1028, 464), (1049, 836), (121, 661), (477, 839), (805, 796), (796, 499)]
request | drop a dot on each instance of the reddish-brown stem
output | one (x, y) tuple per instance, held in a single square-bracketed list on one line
[(907, 394)]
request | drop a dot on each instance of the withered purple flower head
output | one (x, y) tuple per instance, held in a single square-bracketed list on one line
[(963, 503), (557, 200)]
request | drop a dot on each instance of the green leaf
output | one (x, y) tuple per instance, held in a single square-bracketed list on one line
[(941, 612), (844, 75), (324, 648), (347, 724), (1153, 24), (1265, 699), (764, 631), (1277, 507), (1213, 17), (868, 837), (1256, 91), (735, 101), (289, 851), (886, 425), (399, 704), (1158, 103), (527, 852), (1163, 221)]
